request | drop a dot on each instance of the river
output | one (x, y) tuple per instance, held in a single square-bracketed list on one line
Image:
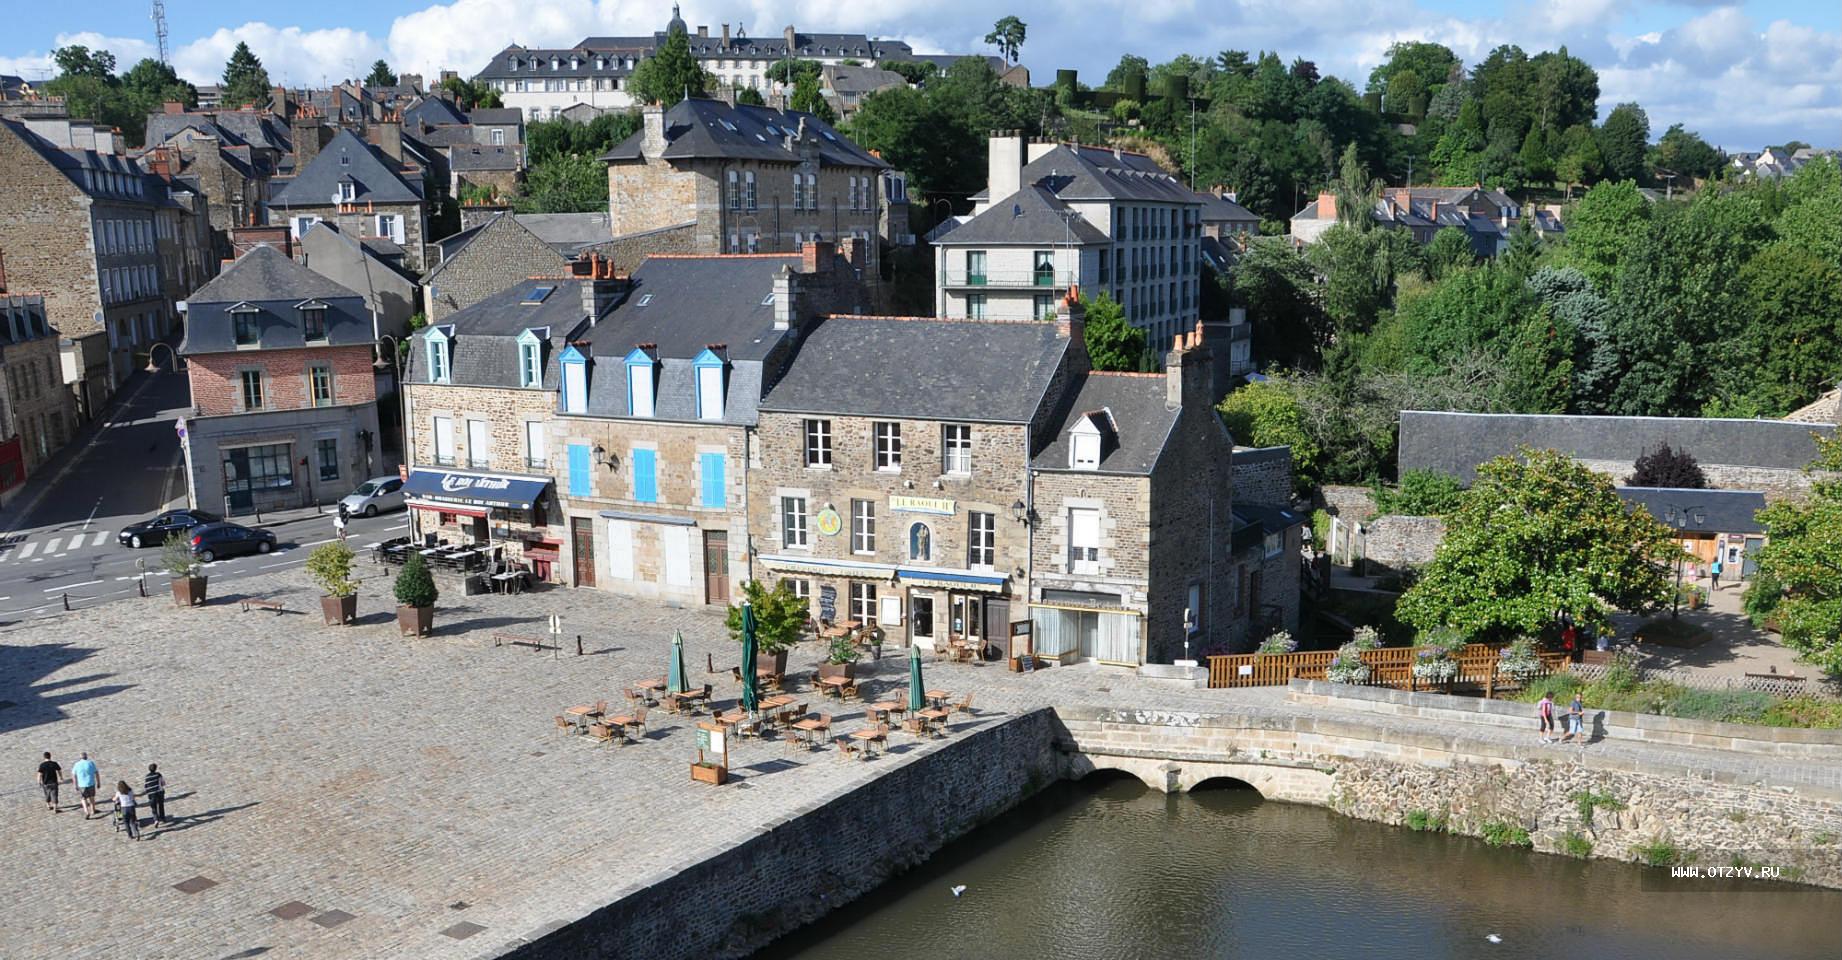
[(1110, 870)]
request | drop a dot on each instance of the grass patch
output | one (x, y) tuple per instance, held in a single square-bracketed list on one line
[(1620, 692), (1658, 853), (1823, 838), (1575, 844), (1588, 801), (1426, 821), (1502, 833)]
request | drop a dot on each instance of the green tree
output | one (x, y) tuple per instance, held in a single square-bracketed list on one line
[(468, 94), (1430, 63), (1534, 156), (414, 586), (1579, 161), (1129, 65), (1571, 300), (913, 71), (1811, 219), (791, 72), (671, 74), (1276, 285), (1421, 493), (1792, 348), (1623, 141), (1007, 35), (1265, 414), (79, 61), (381, 75), (780, 616), (1536, 536), (749, 96), (1799, 581), (1449, 252), (809, 99), (1601, 227), (1683, 152), (576, 183), (245, 80), (1112, 343)]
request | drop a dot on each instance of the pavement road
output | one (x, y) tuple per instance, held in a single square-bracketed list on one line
[(61, 538)]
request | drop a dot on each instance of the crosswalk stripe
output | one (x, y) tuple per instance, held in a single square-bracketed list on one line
[(101, 535), (27, 550), (52, 547)]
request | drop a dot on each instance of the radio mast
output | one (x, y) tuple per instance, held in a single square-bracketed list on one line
[(159, 19)]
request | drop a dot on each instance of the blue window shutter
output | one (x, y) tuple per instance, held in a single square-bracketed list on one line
[(713, 468), (581, 483), (645, 483)]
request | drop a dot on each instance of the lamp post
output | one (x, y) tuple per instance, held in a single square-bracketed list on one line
[(1682, 516), (396, 366)]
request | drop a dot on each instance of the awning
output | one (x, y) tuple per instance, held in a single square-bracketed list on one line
[(953, 580), (475, 489), (649, 518), (453, 508), (833, 568)]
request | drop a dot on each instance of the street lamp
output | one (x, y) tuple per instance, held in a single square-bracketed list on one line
[(1682, 517)]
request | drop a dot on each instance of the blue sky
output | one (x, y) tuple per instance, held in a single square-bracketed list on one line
[(1743, 74)]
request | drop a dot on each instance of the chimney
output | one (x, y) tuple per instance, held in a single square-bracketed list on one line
[(1188, 380), (703, 31), (783, 298), (652, 121), (1071, 325), (1004, 167), (815, 256), (388, 135), (1435, 212), (172, 106), (725, 36), (601, 285), (791, 39), (309, 135), (1327, 206)]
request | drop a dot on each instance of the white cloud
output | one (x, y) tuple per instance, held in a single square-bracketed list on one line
[(291, 56)]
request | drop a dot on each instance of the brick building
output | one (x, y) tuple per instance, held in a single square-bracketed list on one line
[(284, 410), (37, 415), (483, 260), (365, 191)]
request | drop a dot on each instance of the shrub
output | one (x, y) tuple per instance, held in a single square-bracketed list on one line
[(176, 556), (1347, 665), (842, 651), (1804, 711), (1666, 466), (1502, 833), (1126, 109), (1620, 673), (330, 566), (414, 586), (1586, 801), (780, 616), (1421, 493), (1426, 821), (1518, 660), (1658, 853), (1277, 643), (1575, 845), (1729, 706)]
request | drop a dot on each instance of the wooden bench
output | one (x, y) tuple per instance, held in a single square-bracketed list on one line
[(259, 604), (515, 639)]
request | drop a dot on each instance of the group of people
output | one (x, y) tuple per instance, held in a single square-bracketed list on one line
[(87, 780), (1574, 721)]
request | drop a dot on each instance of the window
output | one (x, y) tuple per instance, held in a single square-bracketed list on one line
[(498, 137), (812, 191), (975, 306), (534, 446), (479, 447), (530, 363), (733, 194), (313, 323), (1084, 446), (252, 389), (438, 359), (793, 522), (327, 452), (748, 189), (709, 369), (268, 467), (801, 588), (348, 191), (1275, 544), (981, 539), (1043, 306), (444, 441), (581, 473), (888, 445), (799, 192), (1042, 269), (956, 449), (863, 526), (715, 490), (975, 267), (818, 443), (645, 475), (1194, 598), (390, 226), (320, 384), (640, 383), (245, 326), (863, 602), (1084, 541)]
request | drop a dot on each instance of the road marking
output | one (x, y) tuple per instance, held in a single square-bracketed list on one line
[(92, 517), (52, 547), (271, 566), (101, 535), (68, 586), (120, 579), (318, 542), (28, 549)]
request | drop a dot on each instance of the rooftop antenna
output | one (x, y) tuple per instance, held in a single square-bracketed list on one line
[(159, 19)]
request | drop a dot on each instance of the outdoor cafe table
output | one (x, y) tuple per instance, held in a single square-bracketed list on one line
[(580, 714), (835, 684), (809, 729), (840, 630), (889, 706), (651, 686), (938, 697)]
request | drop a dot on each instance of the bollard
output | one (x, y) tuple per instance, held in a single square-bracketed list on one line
[(66, 601), (578, 644), (142, 583)]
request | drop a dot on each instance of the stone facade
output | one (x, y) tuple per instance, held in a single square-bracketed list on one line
[(37, 413), (1190, 523), (628, 250), (358, 220), (500, 255), (311, 478), (1263, 475)]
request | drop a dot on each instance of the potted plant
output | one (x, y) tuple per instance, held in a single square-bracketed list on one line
[(1437, 659), (188, 579), (840, 660), (709, 773), (415, 591), (1278, 643), (330, 566), (780, 618), (1519, 661), (1348, 666)]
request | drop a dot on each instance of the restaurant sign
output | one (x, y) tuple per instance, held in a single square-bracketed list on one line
[(477, 490), (934, 505)]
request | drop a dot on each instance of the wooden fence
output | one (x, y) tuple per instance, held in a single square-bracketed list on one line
[(1388, 667)]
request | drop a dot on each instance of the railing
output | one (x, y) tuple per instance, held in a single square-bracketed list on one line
[(1388, 667), (1020, 279)]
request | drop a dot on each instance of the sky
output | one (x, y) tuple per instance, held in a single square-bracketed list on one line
[(1744, 75)]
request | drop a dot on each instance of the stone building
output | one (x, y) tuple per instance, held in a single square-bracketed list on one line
[(754, 179), (231, 156), (496, 169), (284, 409), (37, 415), (485, 260), (359, 187), (390, 293)]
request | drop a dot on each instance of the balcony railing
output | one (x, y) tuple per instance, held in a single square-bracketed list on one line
[(1015, 280)]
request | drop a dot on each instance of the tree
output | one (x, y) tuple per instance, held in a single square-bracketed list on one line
[(1682, 151), (414, 586), (1601, 227), (1666, 466), (1792, 348), (381, 76), (245, 80), (1570, 299), (913, 71), (576, 183), (1280, 292), (780, 616), (671, 74), (1449, 252), (1264, 414), (469, 95), (791, 72), (1539, 536), (1421, 493), (1007, 35), (1129, 65), (1534, 156), (79, 61), (1580, 161), (809, 99), (751, 97), (1112, 343), (1799, 580), (1623, 141)]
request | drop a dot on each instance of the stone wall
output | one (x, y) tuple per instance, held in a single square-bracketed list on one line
[(628, 250), (1400, 542), (503, 253), (208, 439), (358, 220), (1354, 504), (1263, 475), (819, 856)]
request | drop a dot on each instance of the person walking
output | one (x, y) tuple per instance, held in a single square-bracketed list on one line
[(84, 777), (49, 773), (153, 788), (124, 804), (1576, 716), (1714, 571), (339, 521), (1544, 712)]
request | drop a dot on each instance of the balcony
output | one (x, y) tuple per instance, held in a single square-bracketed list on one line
[(1012, 280)]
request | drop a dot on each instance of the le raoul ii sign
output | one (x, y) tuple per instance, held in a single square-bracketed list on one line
[(455, 483), (935, 505)]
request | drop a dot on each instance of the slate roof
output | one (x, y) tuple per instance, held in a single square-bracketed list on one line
[(921, 368), (847, 81), (265, 273), (234, 127), (568, 232), (1032, 216), (1223, 210), (696, 301), (484, 157), (705, 129), (318, 184), (379, 250), (452, 243), (1141, 423), (267, 278), (433, 111), (96, 174), (1092, 173), (446, 135), (1722, 511), (496, 116)]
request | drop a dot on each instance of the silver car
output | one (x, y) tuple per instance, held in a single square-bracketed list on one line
[(374, 496)]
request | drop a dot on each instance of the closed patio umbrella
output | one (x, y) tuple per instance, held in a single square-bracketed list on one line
[(674, 680), (751, 700), (917, 700)]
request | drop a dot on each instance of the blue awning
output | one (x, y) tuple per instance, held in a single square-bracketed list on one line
[(952, 576), (476, 489)]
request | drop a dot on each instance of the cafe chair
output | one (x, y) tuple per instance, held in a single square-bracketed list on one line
[(563, 725)]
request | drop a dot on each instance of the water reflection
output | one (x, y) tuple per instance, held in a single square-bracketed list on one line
[(1111, 870)]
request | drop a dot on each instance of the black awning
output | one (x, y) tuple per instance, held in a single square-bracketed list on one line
[(476, 489)]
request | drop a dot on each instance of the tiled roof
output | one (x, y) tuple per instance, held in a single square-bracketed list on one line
[(347, 157), (1142, 423), (704, 129), (1718, 511), (1032, 215), (265, 277)]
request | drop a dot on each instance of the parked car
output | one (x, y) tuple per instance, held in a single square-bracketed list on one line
[(373, 496), (153, 532), (215, 541)]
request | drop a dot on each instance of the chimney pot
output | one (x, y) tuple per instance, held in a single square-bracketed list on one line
[(1327, 206)]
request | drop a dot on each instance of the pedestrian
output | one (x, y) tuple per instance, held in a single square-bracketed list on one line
[(49, 773), (153, 787), (339, 521), (1714, 571), (124, 804), (84, 777), (1576, 716), (1544, 712)]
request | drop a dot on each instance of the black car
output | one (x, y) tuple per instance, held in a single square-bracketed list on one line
[(215, 541), (152, 533)]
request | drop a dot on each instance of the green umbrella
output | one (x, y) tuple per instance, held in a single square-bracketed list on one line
[(751, 701), (674, 681), (917, 700)]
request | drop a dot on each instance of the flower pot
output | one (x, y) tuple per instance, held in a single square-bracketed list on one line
[(709, 773), (846, 670), (415, 620), (189, 591), (339, 610), (778, 661)]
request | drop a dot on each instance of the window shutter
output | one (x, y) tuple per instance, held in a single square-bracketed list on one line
[(581, 482), (714, 468), (1084, 528), (645, 482)]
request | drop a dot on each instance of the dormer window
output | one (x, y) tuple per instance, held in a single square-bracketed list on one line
[(440, 353), (709, 371), (530, 359), (1084, 441), (642, 382), (348, 191), (313, 320), (574, 364), (244, 325)]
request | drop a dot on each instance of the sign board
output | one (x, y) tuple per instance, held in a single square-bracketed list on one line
[(828, 522), (1244, 670), (712, 744), (934, 505), (1022, 643), (828, 603)]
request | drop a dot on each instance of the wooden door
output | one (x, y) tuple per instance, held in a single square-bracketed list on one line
[(582, 545), (716, 567)]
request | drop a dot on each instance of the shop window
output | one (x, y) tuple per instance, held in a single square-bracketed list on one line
[(327, 451)]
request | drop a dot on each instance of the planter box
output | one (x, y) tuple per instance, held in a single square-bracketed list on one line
[(709, 773), (339, 611), (415, 620), (778, 661), (189, 591), (847, 670)]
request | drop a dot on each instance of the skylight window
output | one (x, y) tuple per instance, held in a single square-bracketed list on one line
[(828, 135), (760, 138), (768, 300), (645, 299), (728, 126), (538, 294)]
